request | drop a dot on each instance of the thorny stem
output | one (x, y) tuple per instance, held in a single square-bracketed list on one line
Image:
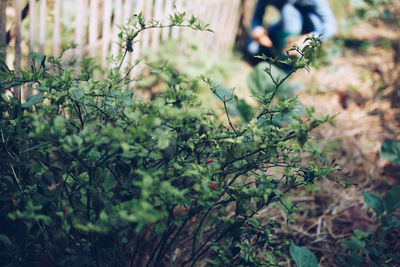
[(226, 111), (158, 252), (229, 119), (68, 194), (42, 228), (160, 247), (278, 84), (135, 251), (242, 221), (123, 57), (194, 245), (240, 158), (178, 232)]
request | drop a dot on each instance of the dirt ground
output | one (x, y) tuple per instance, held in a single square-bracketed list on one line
[(361, 86)]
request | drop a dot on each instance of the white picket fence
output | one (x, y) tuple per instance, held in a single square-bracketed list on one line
[(92, 24)]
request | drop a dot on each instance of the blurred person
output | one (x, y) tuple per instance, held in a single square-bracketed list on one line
[(299, 18)]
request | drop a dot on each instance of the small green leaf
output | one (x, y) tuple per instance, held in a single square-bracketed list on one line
[(42, 88), (32, 100), (163, 142), (254, 222), (303, 256), (360, 234), (11, 84), (391, 150), (38, 58), (374, 202), (236, 99), (392, 223), (258, 81), (109, 184), (5, 240), (77, 93), (392, 199), (302, 137), (353, 244), (245, 110), (44, 144)]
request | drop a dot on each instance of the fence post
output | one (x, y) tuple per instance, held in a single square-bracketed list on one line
[(32, 7), (127, 11), (32, 35), (57, 28), (136, 46), (198, 8), (93, 27), (18, 9), (42, 25), (116, 30), (125, 18), (216, 12), (234, 24), (17, 61), (176, 30), (145, 39), (155, 36), (227, 30), (167, 12), (107, 11), (3, 18), (79, 27)]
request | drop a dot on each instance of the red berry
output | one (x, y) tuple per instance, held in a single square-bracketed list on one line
[(64, 210), (14, 201), (209, 160), (213, 186)]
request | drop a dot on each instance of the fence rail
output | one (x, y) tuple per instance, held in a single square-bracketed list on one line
[(93, 25)]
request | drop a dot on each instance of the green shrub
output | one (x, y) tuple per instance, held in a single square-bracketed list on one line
[(374, 249), (91, 176)]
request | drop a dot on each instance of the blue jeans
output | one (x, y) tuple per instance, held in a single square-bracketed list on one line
[(294, 21)]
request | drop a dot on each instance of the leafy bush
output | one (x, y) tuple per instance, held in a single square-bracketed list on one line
[(374, 248), (91, 176)]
